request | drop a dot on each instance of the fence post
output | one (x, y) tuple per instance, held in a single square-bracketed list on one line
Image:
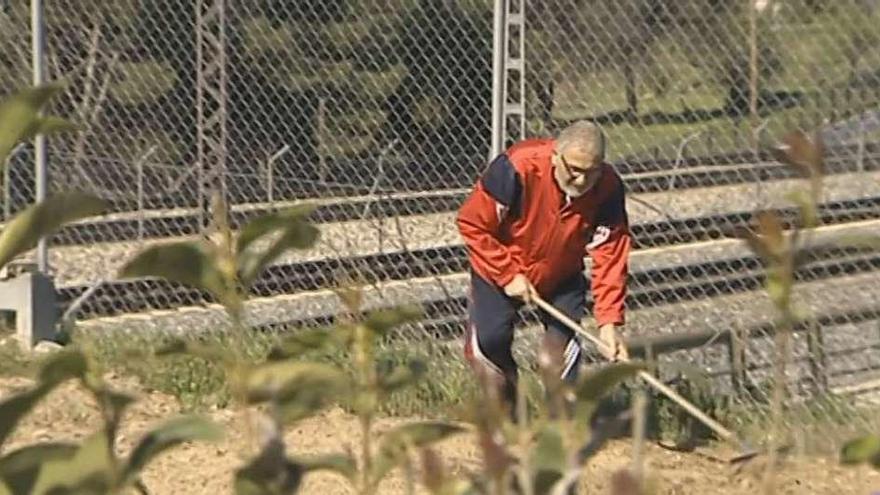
[(38, 47), (860, 160), (816, 357), (140, 198), (270, 173), (322, 163), (7, 183), (140, 189), (736, 349), (498, 44)]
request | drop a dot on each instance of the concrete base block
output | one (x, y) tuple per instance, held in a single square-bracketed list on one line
[(33, 298)]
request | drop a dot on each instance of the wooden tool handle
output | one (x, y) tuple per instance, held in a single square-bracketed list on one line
[(704, 418)]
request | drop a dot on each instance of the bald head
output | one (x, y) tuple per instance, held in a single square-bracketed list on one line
[(582, 143), (579, 152)]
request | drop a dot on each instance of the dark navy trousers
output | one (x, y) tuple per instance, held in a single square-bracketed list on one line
[(491, 318)]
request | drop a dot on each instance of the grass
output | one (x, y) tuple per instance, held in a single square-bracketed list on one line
[(13, 362), (812, 427), (199, 384)]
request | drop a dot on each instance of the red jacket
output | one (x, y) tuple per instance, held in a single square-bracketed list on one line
[(518, 220)]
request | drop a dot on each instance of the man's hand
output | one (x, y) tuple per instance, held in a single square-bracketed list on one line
[(614, 349), (521, 288)]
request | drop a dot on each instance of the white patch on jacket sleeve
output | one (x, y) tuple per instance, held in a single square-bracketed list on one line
[(600, 235), (501, 211)]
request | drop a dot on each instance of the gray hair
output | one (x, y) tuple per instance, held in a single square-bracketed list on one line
[(584, 135)]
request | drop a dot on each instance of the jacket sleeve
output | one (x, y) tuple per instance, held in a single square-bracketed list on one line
[(495, 199), (609, 249)]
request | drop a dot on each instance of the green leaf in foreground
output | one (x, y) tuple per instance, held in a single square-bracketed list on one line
[(396, 443), (20, 118), (167, 436), (864, 449), (189, 263), (42, 219)]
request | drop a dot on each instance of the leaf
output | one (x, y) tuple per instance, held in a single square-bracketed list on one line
[(62, 366), (299, 388), (755, 243), (273, 222), (770, 228), (402, 376), (600, 433), (113, 404), (396, 443), (383, 320), (20, 118), (859, 450), (167, 436), (189, 263), (311, 340), (54, 125), (42, 219), (351, 295), (211, 353), (804, 154), (593, 386), (15, 407), (341, 464), (251, 264), (270, 473), (696, 375), (809, 213), (19, 468), (89, 470), (295, 233), (547, 458)]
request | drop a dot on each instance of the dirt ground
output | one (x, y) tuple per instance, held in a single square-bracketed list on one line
[(208, 468)]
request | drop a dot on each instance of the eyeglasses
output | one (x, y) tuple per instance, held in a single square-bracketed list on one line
[(590, 173)]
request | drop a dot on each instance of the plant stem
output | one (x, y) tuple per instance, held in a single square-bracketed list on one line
[(409, 476), (366, 421), (639, 419), (363, 357), (524, 469), (781, 342)]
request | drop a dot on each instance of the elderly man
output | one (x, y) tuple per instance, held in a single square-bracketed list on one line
[(538, 209)]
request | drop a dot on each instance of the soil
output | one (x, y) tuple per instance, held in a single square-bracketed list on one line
[(208, 468)]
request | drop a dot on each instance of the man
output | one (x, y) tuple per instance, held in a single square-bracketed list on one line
[(531, 218)]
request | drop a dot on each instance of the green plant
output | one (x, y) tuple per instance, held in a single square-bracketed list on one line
[(287, 387), (862, 450), (784, 253), (21, 119), (93, 465), (544, 453), (373, 382)]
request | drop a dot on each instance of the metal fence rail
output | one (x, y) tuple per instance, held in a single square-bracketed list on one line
[(382, 112)]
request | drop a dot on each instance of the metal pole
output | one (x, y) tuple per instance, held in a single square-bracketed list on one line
[(38, 45), (7, 182), (140, 199), (498, 76)]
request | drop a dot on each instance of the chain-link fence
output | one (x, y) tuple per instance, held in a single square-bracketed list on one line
[(381, 112)]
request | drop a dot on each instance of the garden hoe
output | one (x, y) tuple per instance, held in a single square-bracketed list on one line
[(746, 452)]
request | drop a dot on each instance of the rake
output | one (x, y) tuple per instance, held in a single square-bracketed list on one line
[(746, 451)]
